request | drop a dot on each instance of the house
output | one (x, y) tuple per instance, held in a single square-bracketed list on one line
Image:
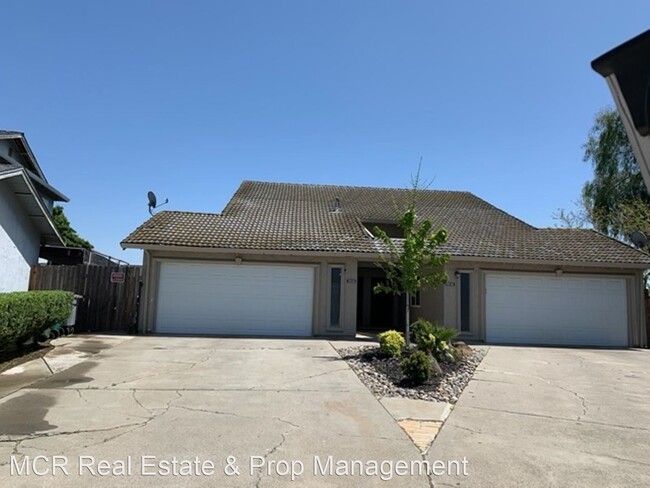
[(26, 200), (299, 260)]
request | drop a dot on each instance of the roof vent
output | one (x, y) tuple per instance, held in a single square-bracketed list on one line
[(337, 205)]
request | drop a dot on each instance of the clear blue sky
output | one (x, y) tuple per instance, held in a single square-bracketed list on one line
[(190, 98)]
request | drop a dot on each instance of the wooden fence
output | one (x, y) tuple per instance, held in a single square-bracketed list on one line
[(106, 306)]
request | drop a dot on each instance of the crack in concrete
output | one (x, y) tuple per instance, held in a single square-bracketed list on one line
[(139, 425), (192, 365), (313, 376), (249, 389), (580, 398), (617, 458), (14, 452), (480, 432), (350, 436), (65, 433), (563, 419), (269, 453), (432, 484), (130, 428), (47, 364), (230, 414)]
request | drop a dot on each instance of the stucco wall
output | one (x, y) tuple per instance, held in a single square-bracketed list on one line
[(431, 305), (152, 260), (19, 242)]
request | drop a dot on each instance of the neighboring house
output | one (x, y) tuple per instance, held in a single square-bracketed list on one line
[(26, 200), (299, 260)]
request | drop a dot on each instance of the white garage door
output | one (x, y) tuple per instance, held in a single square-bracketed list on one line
[(235, 299), (565, 310)]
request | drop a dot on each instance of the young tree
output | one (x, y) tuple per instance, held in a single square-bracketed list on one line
[(414, 261), (70, 236)]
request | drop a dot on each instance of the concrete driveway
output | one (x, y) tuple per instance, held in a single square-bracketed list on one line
[(183, 398), (531, 417), (542, 417)]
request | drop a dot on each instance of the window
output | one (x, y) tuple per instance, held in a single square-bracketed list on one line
[(464, 301), (336, 282), (391, 229), (415, 299)]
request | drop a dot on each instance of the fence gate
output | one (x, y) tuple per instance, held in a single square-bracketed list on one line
[(110, 294)]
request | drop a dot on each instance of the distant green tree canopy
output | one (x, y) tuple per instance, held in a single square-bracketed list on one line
[(615, 201), (70, 236), (617, 191)]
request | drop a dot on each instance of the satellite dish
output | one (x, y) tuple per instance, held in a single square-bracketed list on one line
[(153, 201), (639, 239)]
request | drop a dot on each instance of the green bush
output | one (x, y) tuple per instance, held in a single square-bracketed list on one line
[(416, 367), (25, 314), (391, 343), (434, 339)]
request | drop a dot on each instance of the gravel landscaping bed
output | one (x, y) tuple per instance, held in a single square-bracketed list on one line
[(383, 376)]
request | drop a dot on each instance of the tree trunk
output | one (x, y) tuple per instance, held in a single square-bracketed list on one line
[(407, 327)]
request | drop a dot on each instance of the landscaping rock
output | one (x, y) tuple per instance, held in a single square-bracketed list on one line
[(383, 376)]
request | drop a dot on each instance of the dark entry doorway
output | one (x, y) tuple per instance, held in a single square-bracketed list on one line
[(377, 312)]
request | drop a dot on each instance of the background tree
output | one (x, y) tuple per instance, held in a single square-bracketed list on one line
[(616, 201), (617, 183), (70, 236), (413, 262)]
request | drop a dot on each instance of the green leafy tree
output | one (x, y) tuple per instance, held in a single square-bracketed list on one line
[(413, 262), (616, 201), (70, 236), (617, 183)]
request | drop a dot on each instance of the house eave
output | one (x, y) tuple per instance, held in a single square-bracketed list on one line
[(366, 256), (41, 218)]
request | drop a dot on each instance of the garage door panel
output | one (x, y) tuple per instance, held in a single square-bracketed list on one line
[(235, 299), (556, 310)]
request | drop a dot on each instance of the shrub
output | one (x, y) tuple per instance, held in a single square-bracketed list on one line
[(416, 367), (391, 343), (25, 314), (434, 339)]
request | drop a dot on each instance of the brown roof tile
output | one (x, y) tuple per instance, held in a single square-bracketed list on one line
[(294, 217)]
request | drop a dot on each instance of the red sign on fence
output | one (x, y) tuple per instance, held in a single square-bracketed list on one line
[(117, 277)]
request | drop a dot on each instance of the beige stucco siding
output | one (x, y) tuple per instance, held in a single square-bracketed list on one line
[(439, 305), (431, 305), (322, 264)]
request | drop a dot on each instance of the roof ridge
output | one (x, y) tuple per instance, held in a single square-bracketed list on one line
[(327, 185), (194, 212)]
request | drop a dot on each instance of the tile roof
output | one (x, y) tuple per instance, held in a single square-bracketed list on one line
[(295, 217)]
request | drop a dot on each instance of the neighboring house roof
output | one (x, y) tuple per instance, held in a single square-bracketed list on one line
[(294, 217), (23, 187), (28, 183)]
